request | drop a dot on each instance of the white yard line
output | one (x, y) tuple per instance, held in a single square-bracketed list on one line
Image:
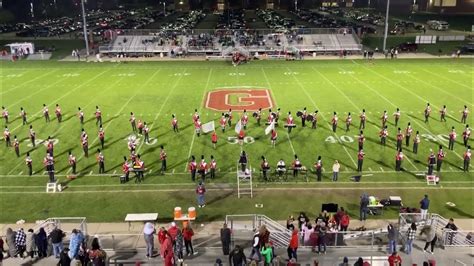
[(404, 88), (445, 78), (123, 107), (270, 87), (199, 110), (28, 81), (161, 107), (65, 122)]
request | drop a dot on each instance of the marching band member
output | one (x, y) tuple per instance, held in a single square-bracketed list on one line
[(72, 162), (265, 167), (314, 121), (23, 116), (174, 123), (416, 141), (334, 122), (348, 121), (399, 139), (192, 168), (465, 135), (427, 112), (244, 120), (146, 132), (361, 140), (29, 164), (5, 114), (98, 116), (443, 113), (398, 160), (163, 157), (464, 112), (197, 126), (363, 118), (408, 132), (101, 161), (397, 115), (452, 138), (214, 139), (274, 136), (213, 167), (223, 122), (46, 113), (289, 122), (132, 122), (203, 168), (318, 165), (80, 115), (384, 118), (101, 135), (383, 135), (58, 113), (6, 136)]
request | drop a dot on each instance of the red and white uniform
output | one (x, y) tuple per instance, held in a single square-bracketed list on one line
[(163, 155), (72, 159), (192, 165), (213, 164), (265, 165), (452, 135), (466, 133), (348, 120), (384, 118), (203, 166), (443, 111), (146, 129), (408, 131), (222, 122), (197, 125), (467, 155), (244, 119), (80, 114), (101, 134), (399, 136), (441, 154), (465, 112), (57, 111), (45, 111), (100, 158), (98, 113), (174, 122), (289, 120), (360, 155), (427, 110), (318, 165), (214, 137), (270, 118), (334, 120), (296, 163), (132, 119), (383, 133), (5, 113), (399, 156), (132, 145), (28, 160), (195, 117), (417, 139), (362, 116), (241, 134), (125, 168), (397, 115), (140, 125), (361, 139), (22, 114), (274, 135), (6, 134)]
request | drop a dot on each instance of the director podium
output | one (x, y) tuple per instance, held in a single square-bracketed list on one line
[(244, 181)]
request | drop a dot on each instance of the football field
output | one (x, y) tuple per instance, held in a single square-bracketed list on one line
[(154, 91)]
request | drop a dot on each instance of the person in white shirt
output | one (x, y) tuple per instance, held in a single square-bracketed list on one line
[(281, 167), (335, 170)]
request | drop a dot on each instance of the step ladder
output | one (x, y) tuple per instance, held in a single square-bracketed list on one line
[(51, 187), (244, 181)]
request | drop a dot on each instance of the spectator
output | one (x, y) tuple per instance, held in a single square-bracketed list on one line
[(395, 259), (169, 258), (178, 246), (75, 242), (225, 239), (392, 238), (359, 262), (237, 257), (364, 209), (345, 262), (450, 235), (2, 249), (345, 220), (161, 238), (166, 246), (20, 242), (188, 234), (307, 231), (289, 223), (338, 215), (431, 238), (201, 191), (148, 232), (411, 234), (255, 247), (10, 240), (64, 259), (173, 231), (424, 205), (264, 236), (267, 253), (293, 247), (30, 243), (96, 255), (322, 231), (302, 218), (335, 170), (41, 243), (56, 237)]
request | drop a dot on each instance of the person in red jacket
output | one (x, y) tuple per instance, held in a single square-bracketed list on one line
[(214, 139), (395, 259), (188, 234), (345, 219), (173, 231), (292, 248)]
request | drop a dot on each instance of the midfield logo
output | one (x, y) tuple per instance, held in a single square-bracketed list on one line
[(239, 98)]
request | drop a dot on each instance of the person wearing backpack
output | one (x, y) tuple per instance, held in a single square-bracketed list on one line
[(96, 255)]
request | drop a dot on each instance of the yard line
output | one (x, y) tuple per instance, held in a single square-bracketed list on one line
[(314, 104), (161, 107), (434, 86), (416, 95), (441, 76), (63, 123), (64, 95), (381, 169), (270, 87), (28, 81), (123, 107), (199, 110), (38, 91)]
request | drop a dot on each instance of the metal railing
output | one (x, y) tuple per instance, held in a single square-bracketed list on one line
[(446, 237)]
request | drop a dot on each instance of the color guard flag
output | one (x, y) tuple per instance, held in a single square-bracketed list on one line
[(238, 126), (269, 128), (208, 127)]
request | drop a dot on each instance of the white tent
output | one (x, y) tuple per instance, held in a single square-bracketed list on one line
[(27, 47)]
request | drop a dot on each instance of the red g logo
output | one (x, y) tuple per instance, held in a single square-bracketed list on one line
[(239, 99)]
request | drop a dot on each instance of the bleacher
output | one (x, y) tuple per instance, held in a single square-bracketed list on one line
[(268, 42)]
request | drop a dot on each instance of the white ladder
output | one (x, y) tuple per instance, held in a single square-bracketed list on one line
[(244, 182)]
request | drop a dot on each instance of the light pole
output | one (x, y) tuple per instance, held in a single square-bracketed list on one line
[(386, 27), (164, 8), (84, 26), (296, 5)]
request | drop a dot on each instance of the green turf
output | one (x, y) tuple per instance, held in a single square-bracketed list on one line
[(156, 90)]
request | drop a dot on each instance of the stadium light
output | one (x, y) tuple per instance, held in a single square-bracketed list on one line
[(164, 8), (84, 26), (386, 27)]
